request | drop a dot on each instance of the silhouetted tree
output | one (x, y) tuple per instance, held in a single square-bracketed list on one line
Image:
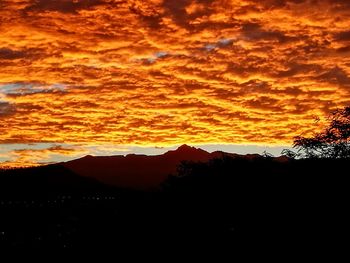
[(268, 155), (332, 142)]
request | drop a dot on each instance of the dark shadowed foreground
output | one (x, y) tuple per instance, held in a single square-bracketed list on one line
[(234, 202)]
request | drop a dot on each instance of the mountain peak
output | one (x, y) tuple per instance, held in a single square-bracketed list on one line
[(184, 147), (86, 157), (187, 151)]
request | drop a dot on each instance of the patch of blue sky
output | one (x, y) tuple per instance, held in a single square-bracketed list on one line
[(220, 43), (210, 47), (161, 54), (225, 41), (154, 57), (30, 88)]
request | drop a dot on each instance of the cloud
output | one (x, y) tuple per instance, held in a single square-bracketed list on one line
[(184, 11), (255, 32), (22, 89), (342, 36), (6, 109), (336, 75), (24, 56), (33, 156), (9, 54), (221, 43), (150, 60), (64, 6), (265, 103), (170, 72)]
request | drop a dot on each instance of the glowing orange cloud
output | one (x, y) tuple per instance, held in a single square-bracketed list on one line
[(165, 72)]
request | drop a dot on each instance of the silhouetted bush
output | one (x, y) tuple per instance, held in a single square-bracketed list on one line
[(332, 142)]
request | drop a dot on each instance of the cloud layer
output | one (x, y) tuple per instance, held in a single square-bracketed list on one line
[(164, 72)]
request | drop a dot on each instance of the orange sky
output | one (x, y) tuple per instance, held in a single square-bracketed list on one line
[(167, 72)]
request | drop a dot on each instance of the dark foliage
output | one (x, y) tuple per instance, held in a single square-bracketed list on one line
[(332, 142)]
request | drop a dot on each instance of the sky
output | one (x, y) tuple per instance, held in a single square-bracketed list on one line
[(107, 77)]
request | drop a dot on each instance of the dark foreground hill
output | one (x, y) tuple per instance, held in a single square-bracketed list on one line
[(228, 201)]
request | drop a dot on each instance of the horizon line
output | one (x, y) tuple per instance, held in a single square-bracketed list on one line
[(45, 153)]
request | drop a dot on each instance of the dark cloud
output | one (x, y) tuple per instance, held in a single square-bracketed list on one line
[(29, 54), (343, 36), (177, 11), (336, 75), (6, 109), (9, 54), (150, 15), (64, 6), (277, 3), (53, 149), (26, 108), (344, 49), (255, 32), (340, 5), (254, 87), (298, 68), (264, 103), (247, 68)]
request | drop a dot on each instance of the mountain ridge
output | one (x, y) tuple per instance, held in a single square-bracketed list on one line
[(142, 171)]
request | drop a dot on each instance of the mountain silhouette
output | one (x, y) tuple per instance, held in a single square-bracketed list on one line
[(140, 171)]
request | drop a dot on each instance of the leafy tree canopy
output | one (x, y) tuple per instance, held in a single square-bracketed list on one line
[(332, 142)]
